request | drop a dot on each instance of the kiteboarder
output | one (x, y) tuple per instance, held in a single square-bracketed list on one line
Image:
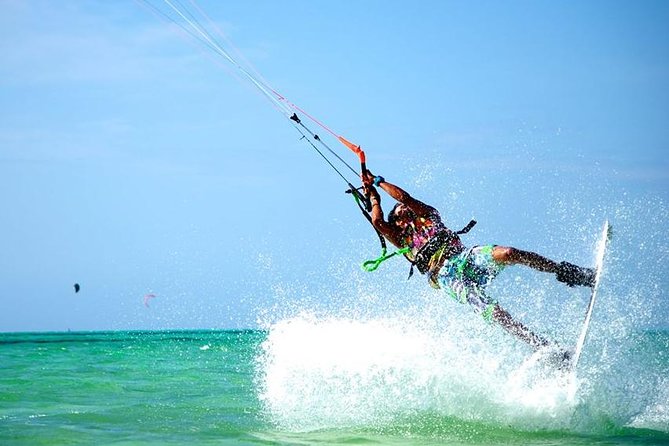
[(462, 272), (415, 227)]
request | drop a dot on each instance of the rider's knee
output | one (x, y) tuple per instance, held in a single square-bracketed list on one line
[(505, 254)]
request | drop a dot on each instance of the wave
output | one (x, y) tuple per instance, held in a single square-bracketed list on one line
[(425, 371)]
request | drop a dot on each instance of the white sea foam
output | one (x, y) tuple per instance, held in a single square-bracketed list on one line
[(318, 372)]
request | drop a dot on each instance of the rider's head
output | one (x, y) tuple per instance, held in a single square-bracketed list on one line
[(400, 215)]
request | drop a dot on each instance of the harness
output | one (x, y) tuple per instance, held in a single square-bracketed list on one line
[(439, 242)]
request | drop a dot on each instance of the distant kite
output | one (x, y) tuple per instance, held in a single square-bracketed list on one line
[(147, 297), (76, 287)]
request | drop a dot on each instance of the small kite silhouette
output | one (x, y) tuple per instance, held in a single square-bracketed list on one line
[(76, 287), (147, 297)]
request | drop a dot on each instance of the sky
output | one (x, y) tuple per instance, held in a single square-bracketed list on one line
[(134, 162)]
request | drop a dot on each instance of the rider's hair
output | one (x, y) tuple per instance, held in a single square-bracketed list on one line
[(392, 218)]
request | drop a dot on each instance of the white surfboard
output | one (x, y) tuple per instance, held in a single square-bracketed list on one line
[(599, 263)]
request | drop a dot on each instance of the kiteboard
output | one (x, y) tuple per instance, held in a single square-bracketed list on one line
[(599, 263), (566, 360)]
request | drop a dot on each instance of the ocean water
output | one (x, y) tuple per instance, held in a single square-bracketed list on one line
[(312, 379)]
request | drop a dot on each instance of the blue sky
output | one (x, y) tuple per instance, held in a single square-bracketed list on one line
[(131, 162)]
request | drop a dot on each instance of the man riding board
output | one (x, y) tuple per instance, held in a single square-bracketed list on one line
[(463, 273)]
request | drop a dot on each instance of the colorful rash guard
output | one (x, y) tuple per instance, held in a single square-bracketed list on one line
[(427, 237), (418, 232)]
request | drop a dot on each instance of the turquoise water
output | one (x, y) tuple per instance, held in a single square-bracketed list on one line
[(311, 380)]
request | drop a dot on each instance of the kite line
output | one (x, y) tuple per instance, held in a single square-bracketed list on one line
[(196, 25)]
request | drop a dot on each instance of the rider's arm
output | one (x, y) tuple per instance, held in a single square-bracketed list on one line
[(399, 194), (387, 230)]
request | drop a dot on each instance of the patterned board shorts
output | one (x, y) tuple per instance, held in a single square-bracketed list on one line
[(466, 275)]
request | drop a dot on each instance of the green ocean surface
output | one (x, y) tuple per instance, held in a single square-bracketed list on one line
[(259, 387)]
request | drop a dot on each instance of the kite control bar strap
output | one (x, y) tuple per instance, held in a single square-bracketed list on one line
[(371, 265)]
